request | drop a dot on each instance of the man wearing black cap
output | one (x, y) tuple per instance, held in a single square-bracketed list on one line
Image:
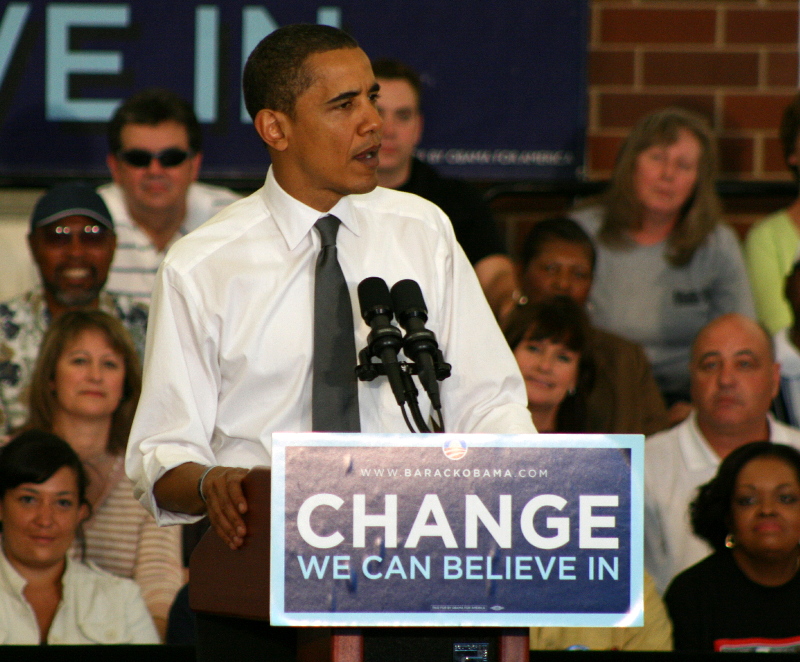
[(72, 242)]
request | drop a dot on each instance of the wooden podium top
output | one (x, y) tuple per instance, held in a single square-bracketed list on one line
[(230, 582)]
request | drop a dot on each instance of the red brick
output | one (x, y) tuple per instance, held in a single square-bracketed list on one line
[(701, 69), (623, 110), (611, 68), (782, 69), (754, 112), (603, 152), (735, 155), (759, 26), (658, 26), (773, 156)]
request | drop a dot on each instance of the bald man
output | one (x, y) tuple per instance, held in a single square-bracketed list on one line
[(734, 378)]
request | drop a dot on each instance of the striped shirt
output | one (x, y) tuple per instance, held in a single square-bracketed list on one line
[(136, 260), (123, 539)]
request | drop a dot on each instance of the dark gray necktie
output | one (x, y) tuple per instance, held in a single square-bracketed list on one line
[(335, 391)]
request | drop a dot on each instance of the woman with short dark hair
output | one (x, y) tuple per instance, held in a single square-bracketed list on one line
[(744, 597), (549, 340), (45, 597)]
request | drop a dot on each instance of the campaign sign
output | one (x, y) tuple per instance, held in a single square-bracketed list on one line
[(457, 530)]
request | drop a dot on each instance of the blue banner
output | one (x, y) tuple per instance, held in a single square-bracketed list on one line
[(477, 530), (504, 97)]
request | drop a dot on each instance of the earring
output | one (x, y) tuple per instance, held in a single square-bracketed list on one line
[(571, 391), (730, 541)]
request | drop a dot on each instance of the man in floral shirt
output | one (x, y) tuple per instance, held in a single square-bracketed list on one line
[(72, 241)]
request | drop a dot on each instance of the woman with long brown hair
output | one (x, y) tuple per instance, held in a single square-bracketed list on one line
[(85, 387), (666, 265)]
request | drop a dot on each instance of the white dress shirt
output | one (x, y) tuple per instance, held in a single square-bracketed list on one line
[(96, 608), (676, 463), (230, 341)]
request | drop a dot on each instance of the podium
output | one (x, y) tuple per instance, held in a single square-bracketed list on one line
[(225, 582)]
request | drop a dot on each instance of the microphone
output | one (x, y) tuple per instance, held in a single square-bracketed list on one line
[(420, 343), (385, 339)]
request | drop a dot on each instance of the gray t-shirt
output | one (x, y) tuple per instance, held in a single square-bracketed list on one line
[(637, 294)]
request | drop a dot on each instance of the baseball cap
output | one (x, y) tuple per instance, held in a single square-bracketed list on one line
[(70, 199)]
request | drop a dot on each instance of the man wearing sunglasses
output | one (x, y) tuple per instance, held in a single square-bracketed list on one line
[(72, 242), (154, 158)]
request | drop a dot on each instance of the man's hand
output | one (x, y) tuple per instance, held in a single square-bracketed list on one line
[(225, 503), (223, 499)]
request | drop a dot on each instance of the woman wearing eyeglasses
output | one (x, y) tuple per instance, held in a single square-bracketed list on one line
[(72, 241)]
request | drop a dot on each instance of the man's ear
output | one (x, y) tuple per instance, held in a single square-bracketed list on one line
[(113, 167), (273, 127)]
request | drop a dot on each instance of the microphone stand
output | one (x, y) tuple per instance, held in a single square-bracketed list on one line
[(367, 370)]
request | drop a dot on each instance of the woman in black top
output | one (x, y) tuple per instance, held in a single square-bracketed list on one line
[(745, 596)]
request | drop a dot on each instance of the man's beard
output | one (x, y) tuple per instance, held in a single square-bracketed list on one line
[(76, 299)]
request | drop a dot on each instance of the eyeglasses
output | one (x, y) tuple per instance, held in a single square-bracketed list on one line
[(61, 235), (141, 158)]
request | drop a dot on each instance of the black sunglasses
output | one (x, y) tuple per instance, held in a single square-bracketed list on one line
[(168, 158)]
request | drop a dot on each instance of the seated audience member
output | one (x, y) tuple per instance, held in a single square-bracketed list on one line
[(771, 246), (45, 596), (154, 143), (744, 597), (399, 105), (549, 341), (558, 259), (84, 388), (654, 635), (787, 354), (72, 242), (734, 379), (666, 264)]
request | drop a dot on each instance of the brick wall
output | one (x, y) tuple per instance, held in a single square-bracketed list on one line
[(734, 61)]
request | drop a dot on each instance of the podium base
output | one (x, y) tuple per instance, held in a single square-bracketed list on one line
[(226, 638)]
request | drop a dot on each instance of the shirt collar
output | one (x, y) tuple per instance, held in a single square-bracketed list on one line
[(697, 452), (11, 577), (295, 219)]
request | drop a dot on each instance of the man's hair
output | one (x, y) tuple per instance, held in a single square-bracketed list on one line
[(790, 126), (711, 511), (275, 73), (152, 107), (555, 229), (390, 69)]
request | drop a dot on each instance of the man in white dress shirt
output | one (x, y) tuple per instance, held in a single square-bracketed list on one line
[(734, 378), (229, 354)]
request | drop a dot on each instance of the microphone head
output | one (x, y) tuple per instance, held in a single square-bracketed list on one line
[(408, 300), (374, 299)]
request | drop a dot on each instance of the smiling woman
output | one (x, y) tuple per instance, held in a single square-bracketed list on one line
[(45, 597), (744, 596), (549, 340)]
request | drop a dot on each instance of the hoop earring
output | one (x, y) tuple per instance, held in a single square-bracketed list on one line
[(730, 541)]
